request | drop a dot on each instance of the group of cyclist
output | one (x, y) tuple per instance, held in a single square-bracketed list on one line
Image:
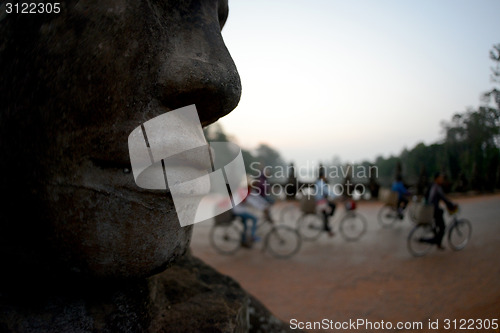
[(259, 198)]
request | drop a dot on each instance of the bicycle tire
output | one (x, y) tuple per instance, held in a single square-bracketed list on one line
[(421, 240), (412, 212), (387, 216), (226, 238), (283, 241), (289, 214), (309, 227), (352, 226), (459, 234)]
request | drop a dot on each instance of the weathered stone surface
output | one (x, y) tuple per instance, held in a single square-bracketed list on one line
[(188, 297), (73, 86), (263, 321), (198, 298)]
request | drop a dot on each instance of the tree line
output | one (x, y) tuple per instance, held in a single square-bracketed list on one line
[(468, 154), (263, 155)]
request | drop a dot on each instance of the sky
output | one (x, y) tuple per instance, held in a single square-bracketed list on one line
[(355, 79)]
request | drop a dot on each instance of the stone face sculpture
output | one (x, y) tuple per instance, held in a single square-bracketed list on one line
[(82, 248), (73, 86)]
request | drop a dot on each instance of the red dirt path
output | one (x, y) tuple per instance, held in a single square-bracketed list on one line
[(375, 278)]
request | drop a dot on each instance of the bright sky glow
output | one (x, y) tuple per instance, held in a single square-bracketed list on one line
[(355, 79)]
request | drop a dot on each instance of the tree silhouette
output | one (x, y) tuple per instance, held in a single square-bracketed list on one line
[(495, 75)]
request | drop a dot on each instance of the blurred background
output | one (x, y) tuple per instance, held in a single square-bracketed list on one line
[(408, 88)]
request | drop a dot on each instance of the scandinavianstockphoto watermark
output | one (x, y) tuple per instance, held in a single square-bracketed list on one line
[(356, 324), (170, 153), (344, 180), (365, 325)]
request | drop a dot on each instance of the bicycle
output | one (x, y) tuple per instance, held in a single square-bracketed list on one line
[(421, 238), (352, 225), (389, 214), (226, 236)]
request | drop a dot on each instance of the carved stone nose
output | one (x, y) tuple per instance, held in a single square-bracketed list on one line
[(214, 88), (199, 71)]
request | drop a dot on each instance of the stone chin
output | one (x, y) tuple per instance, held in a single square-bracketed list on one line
[(104, 226)]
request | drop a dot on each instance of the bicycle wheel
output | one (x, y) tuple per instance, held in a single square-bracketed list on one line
[(226, 238), (289, 214), (283, 241), (310, 226), (412, 212), (387, 216), (459, 234), (352, 226), (421, 240)]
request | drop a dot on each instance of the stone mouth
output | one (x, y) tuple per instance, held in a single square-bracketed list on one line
[(124, 166)]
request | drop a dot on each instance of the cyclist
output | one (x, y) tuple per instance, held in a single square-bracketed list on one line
[(326, 206), (402, 191), (253, 199), (436, 194)]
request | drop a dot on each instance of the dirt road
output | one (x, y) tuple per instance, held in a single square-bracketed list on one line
[(376, 279)]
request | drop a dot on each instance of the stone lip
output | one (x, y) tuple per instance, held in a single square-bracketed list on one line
[(188, 297)]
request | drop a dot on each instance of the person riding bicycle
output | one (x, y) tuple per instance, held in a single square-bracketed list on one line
[(242, 210), (263, 188), (436, 194), (326, 206), (399, 187)]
